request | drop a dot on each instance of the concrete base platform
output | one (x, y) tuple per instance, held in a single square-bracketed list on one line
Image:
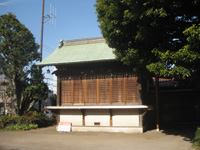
[(107, 129)]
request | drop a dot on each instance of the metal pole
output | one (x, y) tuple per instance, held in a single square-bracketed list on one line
[(41, 40)]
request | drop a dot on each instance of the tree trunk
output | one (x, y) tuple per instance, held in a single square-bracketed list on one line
[(17, 94), (5, 106), (12, 90), (31, 105)]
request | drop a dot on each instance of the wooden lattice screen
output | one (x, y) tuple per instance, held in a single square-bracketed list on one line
[(100, 90), (104, 91)]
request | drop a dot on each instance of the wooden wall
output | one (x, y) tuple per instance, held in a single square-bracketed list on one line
[(99, 90), (97, 83)]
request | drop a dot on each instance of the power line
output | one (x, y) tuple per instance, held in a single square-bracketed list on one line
[(48, 47), (49, 51)]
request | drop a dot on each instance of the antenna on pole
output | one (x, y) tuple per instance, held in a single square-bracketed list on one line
[(46, 18), (51, 16), (55, 17)]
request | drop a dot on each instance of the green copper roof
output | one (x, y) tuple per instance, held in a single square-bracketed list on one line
[(77, 51)]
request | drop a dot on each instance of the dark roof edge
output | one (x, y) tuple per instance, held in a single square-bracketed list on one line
[(83, 41)]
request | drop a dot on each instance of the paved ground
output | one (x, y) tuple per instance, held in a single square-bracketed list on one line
[(49, 139)]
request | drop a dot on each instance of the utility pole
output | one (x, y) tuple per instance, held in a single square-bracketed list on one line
[(47, 17), (42, 23), (41, 45), (157, 104), (52, 15)]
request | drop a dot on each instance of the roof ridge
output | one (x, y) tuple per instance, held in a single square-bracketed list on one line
[(83, 41)]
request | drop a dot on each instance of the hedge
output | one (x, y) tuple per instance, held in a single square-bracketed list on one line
[(197, 138), (29, 120)]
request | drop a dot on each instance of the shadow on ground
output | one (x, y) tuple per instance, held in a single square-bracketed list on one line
[(187, 133), (3, 148)]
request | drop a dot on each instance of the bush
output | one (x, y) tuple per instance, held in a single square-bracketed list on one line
[(7, 120), (197, 138), (28, 121), (39, 119), (21, 127)]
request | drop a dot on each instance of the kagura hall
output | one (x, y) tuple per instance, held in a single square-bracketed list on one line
[(95, 92)]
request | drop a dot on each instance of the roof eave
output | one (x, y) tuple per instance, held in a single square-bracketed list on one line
[(68, 63)]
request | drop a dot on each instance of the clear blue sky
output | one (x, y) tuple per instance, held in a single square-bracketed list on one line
[(75, 19)]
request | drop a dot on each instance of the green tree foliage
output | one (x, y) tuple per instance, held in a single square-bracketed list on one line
[(18, 53), (160, 35), (197, 138)]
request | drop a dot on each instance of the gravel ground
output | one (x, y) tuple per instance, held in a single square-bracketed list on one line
[(49, 139)]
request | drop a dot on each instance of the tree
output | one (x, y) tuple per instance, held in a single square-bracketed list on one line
[(153, 34), (33, 89), (18, 54), (148, 33)]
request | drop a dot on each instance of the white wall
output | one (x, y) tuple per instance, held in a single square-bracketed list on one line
[(101, 116), (125, 117), (124, 120), (73, 116), (121, 117)]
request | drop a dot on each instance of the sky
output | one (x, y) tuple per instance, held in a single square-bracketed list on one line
[(75, 19)]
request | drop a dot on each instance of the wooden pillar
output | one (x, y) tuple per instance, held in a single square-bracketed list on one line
[(83, 116), (125, 98), (97, 91), (157, 104), (58, 116), (59, 91), (111, 121), (111, 97), (72, 92), (84, 88)]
